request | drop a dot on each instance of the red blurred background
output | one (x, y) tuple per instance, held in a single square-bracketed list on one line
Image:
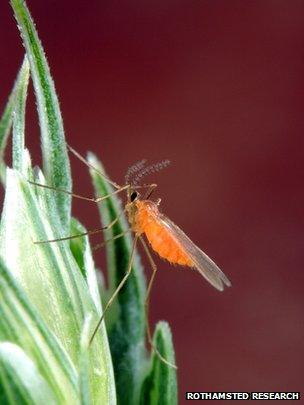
[(216, 87)]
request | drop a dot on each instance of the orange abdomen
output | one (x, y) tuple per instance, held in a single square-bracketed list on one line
[(158, 235)]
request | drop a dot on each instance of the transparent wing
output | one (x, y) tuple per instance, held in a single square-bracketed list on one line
[(203, 264)]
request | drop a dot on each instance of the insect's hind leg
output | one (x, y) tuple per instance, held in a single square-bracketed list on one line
[(147, 304), (119, 287)]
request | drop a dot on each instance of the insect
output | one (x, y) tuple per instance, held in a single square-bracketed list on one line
[(149, 224)]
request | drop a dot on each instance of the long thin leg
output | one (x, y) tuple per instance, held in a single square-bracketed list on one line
[(100, 245), (95, 200), (82, 159), (80, 234), (147, 303), (120, 285)]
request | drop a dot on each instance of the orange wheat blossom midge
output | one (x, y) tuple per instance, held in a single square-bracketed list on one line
[(145, 219)]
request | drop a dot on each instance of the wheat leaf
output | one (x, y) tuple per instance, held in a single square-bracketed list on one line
[(21, 324), (49, 274), (84, 385), (21, 380), (55, 159), (19, 116), (7, 116), (160, 386)]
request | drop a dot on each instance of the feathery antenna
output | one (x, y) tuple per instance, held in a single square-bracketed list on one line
[(156, 167), (134, 169)]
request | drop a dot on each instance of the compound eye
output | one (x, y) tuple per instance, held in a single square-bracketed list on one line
[(134, 195)]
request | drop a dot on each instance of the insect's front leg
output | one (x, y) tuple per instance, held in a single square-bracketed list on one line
[(81, 197)]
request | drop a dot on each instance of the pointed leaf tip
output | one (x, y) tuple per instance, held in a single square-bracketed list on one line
[(54, 152)]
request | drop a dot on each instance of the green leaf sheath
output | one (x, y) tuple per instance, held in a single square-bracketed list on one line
[(7, 116), (126, 321), (19, 116), (26, 219), (160, 386), (50, 275), (21, 324), (21, 380), (55, 159)]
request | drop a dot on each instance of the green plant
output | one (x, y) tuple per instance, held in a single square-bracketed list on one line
[(49, 294)]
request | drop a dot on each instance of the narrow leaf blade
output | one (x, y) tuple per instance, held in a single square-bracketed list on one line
[(19, 115), (7, 117), (160, 386), (54, 152)]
